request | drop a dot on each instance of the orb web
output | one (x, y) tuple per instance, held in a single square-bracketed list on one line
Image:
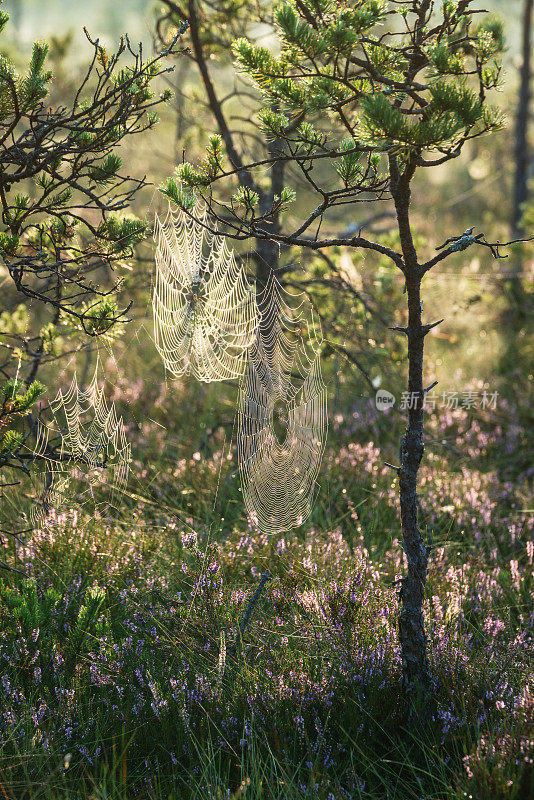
[(279, 472), (204, 308), (84, 447)]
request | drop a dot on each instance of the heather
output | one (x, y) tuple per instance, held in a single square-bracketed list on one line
[(119, 658)]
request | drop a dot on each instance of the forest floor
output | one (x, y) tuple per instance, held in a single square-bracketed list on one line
[(121, 670)]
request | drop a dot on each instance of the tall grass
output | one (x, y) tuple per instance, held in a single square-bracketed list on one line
[(112, 645)]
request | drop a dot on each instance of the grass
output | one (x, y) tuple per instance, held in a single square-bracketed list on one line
[(116, 658)]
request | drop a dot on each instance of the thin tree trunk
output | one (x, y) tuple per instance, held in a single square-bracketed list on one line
[(411, 623), (416, 672), (179, 105), (233, 156), (86, 368), (268, 252), (266, 257), (521, 129), (522, 157)]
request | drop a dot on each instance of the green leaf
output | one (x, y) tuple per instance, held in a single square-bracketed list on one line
[(246, 197), (10, 442), (122, 233), (39, 53), (174, 192), (106, 172), (347, 166)]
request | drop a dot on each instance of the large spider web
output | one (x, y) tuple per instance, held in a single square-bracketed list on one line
[(279, 473), (84, 447), (204, 307)]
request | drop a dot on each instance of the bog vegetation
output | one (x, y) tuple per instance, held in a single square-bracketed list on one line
[(188, 634)]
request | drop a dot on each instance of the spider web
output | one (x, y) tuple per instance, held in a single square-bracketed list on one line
[(204, 308), (278, 475), (85, 444)]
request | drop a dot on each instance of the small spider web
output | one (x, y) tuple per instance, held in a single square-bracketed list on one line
[(279, 473), (204, 308), (84, 448)]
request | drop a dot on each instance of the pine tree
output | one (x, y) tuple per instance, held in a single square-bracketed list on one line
[(363, 94), (65, 227), (221, 99)]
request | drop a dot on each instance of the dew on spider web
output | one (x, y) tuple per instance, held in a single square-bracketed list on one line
[(204, 308), (83, 451), (282, 415)]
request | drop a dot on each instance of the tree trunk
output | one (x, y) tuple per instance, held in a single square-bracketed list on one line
[(522, 158), (179, 107), (416, 673), (267, 253), (521, 128), (266, 257)]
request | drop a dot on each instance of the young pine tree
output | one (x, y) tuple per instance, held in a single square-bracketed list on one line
[(222, 99), (64, 224), (363, 94)]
